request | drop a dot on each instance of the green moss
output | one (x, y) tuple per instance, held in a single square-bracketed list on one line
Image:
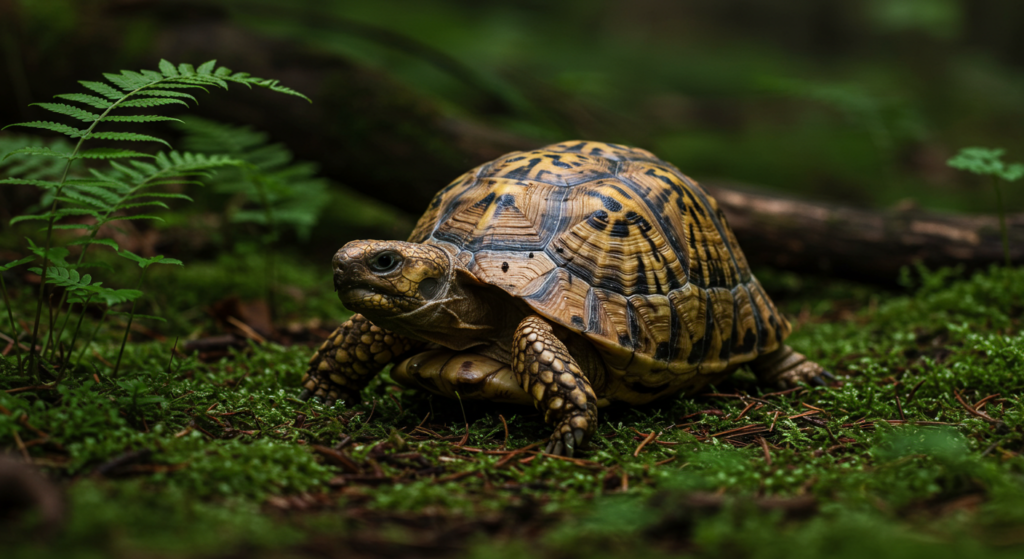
[(878, 484)]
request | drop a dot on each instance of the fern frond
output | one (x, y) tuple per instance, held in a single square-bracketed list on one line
[(128, 137), (90, 100), (142, 204), (30, 217), (114, 186), (79, 211), (84, 226), (68, 110), (141, 118), (207, 67), (43, 151), (168, 69), (51, 126), (166, 93), (154, 102), (68, 278), (109, 197), (103, 89), (111, 153), (160, 195), (72, 197), (129, 80), (135, 175), (131, 217), (118, 296), (91, 241), (144, 167), (105, 177), (176, 182), (180, 84), (197, 80), (31, 182)]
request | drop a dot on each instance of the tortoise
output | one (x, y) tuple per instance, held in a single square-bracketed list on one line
[(568, 277)]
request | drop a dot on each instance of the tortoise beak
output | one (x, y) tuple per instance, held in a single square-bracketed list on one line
[(344, 271)]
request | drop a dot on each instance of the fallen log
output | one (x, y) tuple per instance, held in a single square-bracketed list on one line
[(862, 244)]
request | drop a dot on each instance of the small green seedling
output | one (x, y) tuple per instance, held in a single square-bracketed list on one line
[(986, 161)]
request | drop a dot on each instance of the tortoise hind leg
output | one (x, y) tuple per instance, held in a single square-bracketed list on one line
[(554, 380), (787, 368)]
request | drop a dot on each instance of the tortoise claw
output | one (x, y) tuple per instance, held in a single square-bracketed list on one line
[(570, 445), (578, 434), (818, 381), (828, 375)]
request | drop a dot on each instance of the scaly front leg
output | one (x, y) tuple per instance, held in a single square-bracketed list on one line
[(347, 361), (548, 373)]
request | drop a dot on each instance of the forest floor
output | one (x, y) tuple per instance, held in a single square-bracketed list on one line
[(914, 451)]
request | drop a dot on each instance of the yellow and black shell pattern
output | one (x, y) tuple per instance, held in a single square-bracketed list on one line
[(613, 243)]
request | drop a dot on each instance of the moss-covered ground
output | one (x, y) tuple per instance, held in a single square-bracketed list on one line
[(914, 451)]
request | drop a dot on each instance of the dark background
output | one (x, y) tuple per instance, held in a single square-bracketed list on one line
[(859, 102)]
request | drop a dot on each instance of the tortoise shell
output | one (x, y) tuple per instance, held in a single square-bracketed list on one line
[(617, 245)]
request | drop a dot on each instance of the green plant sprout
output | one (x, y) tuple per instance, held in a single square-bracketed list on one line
[(105, 196), (143, 263), (988, 161)]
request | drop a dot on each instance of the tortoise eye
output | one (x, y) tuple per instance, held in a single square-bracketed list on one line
[(385, 261)]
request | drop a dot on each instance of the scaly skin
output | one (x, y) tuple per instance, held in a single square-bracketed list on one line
[(548, 373), (787, 368), (347, 360)]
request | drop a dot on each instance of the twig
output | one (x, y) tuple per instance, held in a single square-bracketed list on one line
[(508, 458), (783, 392), (26, 388), (372, 409), (504, 444), (737, 430), (21, 445), (745, 410), (465, 438), (643, 443), (764, 447), (978, 405), (899, 406), (972, 411), (170, 361), (914, 389), (397, 403), (247, 330)]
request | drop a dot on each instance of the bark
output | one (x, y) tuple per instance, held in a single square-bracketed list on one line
[(862, 244)]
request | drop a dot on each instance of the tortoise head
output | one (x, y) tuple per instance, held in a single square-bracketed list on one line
[(390, 278)]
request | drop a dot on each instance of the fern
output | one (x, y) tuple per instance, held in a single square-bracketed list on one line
[(128, 184), (987, 161), (271, 189)]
